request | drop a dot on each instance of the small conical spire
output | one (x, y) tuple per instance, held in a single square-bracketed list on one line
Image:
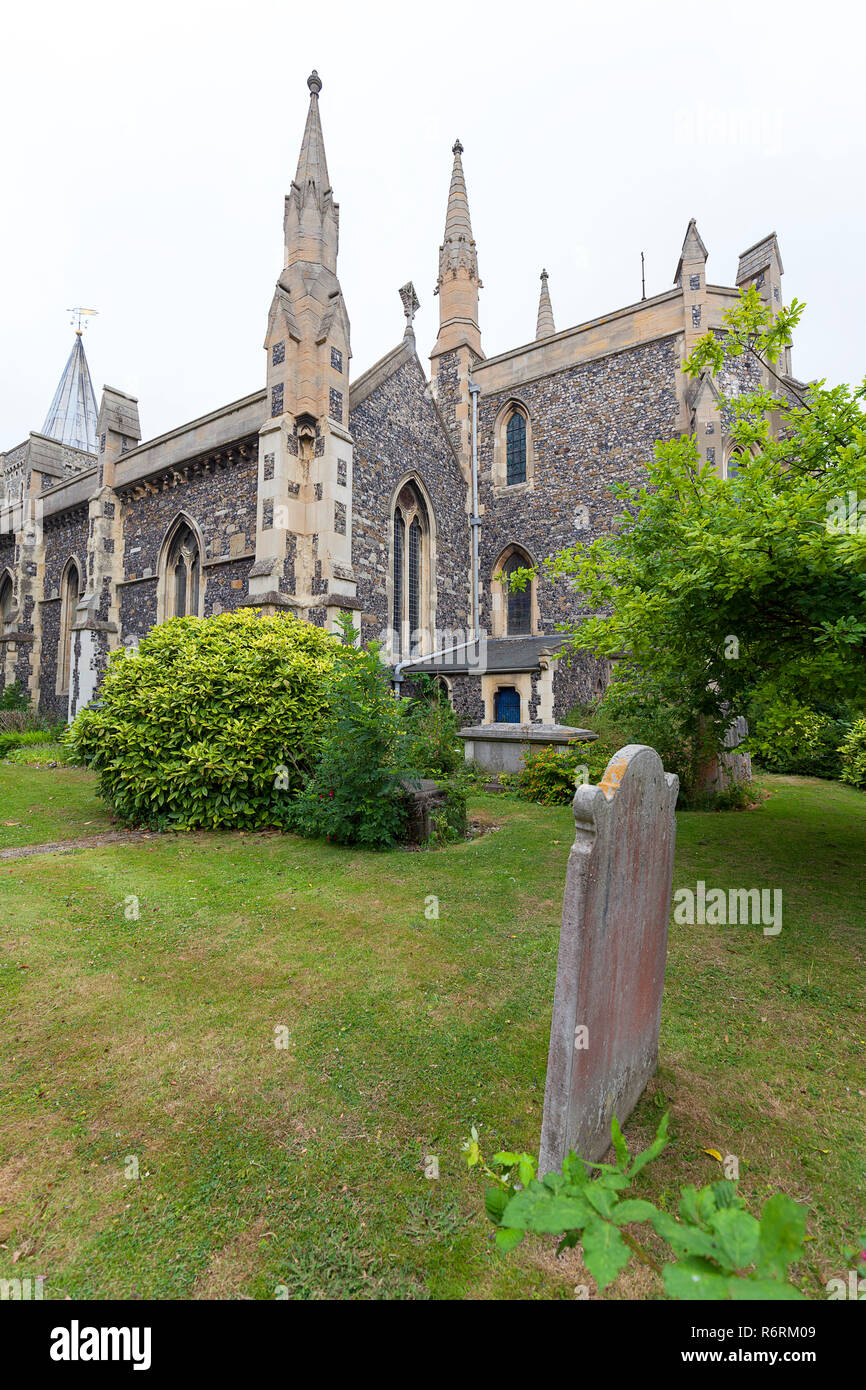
[(545, 325), (458, 283), (312, 165), (72, 415), (693, 250), (457, 223), (311, 225)]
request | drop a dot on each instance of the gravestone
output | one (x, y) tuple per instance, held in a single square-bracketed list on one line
[(612, 950)]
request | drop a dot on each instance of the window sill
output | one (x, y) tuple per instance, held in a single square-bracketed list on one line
[(513, 489)]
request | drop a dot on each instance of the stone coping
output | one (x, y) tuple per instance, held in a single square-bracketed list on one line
[(527, 733)]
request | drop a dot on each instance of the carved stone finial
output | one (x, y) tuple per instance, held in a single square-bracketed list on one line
[(314, 82), (411, 303), (544, 275), (457, 148)]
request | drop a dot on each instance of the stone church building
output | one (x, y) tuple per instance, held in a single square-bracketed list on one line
[(324, 493)]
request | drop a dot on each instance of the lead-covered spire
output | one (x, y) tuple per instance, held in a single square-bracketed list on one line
[(72, 414)]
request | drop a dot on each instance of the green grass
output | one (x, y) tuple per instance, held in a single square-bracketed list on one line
[(304, 1167), (43, 804)]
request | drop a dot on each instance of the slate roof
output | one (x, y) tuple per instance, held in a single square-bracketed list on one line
[(503, 654)]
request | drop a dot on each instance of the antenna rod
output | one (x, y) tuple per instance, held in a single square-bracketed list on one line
[(642, 278)]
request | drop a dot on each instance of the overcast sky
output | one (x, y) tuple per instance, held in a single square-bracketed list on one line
[(146, 150)]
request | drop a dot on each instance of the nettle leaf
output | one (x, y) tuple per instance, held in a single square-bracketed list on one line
[(737, 1233), (507, 1240), (575, 1170), (658, 1144), (632, 1209), (620, 1147), (764, 1291), (688, 1204), (696, 1279), (540, 1210), (605, 1252), (495, 1201), (783, 1230), (684, 1240), (601, 1198), (526, 1169), (554, 1182)]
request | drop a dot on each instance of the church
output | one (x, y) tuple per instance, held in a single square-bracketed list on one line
[(398, 497)]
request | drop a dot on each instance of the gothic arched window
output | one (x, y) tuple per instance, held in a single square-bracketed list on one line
[(519, 620), (70, 589), (736, 461), (181, 576), (410, 570), (6, 597), (515, 448), (399, 548)]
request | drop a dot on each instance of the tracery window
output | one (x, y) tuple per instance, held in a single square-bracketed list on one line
[(515, 448), (736, 461), (410, 569), (181, 577), (70, 591), (6, 596), (519, 611)]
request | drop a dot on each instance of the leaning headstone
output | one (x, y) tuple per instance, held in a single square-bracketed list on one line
[(612, 950)]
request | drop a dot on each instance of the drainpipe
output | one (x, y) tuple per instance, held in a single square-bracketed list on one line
[(475, 523), (475, 519)]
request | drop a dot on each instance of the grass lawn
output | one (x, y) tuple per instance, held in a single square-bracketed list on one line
[(43, 804), (154, 1039)]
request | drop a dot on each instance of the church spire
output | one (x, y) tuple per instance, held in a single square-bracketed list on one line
[(458, 283), (312, 218), (312, 165), (545, 325), (72, 414)]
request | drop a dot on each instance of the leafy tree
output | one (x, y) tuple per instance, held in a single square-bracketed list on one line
[(355, 793), (715, 587)]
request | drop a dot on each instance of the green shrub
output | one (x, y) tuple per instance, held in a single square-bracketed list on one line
[(432, 746), (13, 697), (634, 706), (853, 756), (449, 822), (41, 752), (213, 723), (548, 775), (355, 793), (787, 735), (22, 738)]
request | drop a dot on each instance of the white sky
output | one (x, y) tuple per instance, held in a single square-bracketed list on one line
[(146, 151)]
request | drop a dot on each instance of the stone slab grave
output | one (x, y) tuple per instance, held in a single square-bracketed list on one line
[(612, 952)]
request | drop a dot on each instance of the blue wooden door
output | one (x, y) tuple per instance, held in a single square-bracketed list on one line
[(507, 706)]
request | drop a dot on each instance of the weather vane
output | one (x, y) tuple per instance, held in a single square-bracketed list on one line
[(78, 314)]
